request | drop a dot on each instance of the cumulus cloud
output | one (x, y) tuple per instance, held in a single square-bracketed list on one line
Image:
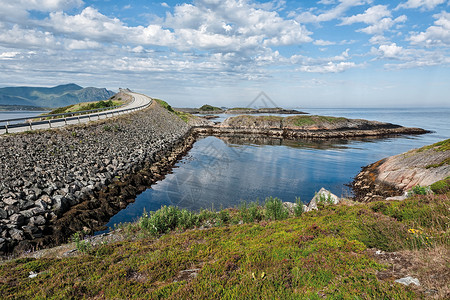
[(371, 16), (409, 58), (334, 64), (237, 22), (378, 17), (439, 34), (383, 25), (422, 4), (17, 10), (390, 51), (332, 14)]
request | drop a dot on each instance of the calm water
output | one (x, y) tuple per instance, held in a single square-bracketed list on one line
[(223, 172), (6, 115)]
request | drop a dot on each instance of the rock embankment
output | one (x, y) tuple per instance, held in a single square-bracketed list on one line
[(306, 127), (394, 175), (45, 174)]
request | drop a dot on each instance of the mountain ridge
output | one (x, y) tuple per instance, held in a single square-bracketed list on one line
[(50, 97)]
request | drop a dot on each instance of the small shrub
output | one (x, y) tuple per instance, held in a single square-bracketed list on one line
[(275, 209), (441, 186), (224, 216), (419, 190), (187, 219), (325, 199), (250, 212), (298, 209), (82, 245)]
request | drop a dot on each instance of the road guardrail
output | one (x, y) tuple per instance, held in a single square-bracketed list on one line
[(64, 117)]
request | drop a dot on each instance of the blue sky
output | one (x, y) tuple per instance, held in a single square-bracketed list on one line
[(327, 53)]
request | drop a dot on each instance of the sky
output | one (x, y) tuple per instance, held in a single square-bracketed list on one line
[(327, 53)]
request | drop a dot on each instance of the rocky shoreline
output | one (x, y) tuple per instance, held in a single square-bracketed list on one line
[(51, 179), (395, 175)]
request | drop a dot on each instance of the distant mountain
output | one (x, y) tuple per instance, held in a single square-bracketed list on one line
[(61, 95)]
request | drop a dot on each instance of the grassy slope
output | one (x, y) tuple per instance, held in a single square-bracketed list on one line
[(319, 254), (182, 115)]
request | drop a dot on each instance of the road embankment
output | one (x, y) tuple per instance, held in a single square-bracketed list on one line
[(52, 182)]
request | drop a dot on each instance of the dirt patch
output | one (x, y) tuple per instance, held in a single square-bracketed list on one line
[(430, 266)]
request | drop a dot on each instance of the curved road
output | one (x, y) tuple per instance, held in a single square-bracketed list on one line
[(139, 101)]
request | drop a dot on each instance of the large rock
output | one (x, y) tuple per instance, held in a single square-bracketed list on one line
[(392, 176), (323, 196)]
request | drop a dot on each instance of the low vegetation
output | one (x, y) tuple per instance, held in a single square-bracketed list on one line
[(87, 106), (301, 121), (182, 115), (250, 252), (439, 146), (208, 107), (241, 108)]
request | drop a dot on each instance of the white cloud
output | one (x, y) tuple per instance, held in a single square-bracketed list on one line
[(334, 64), (371, 16), (383, 25), (378, 39), (390, 51), (17, 37), (334, 13), (164, 4), (409, 58), (323, 43), (422, 4), (330, 67), (17, 10), (378, 17), (439, 34), (237, 23), (8, 55)]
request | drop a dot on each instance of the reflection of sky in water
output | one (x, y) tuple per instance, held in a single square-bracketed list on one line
[(224, 172)]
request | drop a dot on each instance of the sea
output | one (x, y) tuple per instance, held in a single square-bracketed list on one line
[(225, 172)]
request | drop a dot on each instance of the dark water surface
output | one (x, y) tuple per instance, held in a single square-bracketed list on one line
[(223, 172)]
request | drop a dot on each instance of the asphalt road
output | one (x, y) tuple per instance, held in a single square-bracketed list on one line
[(138, 101)]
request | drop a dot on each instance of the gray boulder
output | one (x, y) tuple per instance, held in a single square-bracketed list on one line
[(408, 280), (324, 196)]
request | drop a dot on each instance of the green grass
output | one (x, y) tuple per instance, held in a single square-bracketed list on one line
[(86, 106), (182, 115), (241, 108), (319, 254), (312, 120), (439, 146), (164, 104), (441, 186), (444, 162), (208, 107)]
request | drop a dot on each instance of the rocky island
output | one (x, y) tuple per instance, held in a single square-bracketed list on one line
[(306, 127)]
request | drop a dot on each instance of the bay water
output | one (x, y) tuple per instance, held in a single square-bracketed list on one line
[(221, 172)]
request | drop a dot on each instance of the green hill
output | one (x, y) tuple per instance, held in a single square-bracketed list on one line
[(61, 95)]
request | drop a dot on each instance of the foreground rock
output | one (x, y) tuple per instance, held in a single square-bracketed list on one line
[(307, 127), (56, 182), (393, 176)]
